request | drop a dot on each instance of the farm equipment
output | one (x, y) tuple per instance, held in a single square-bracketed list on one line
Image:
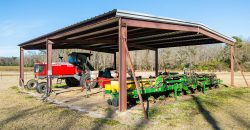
[(77, 71), (166, 84)]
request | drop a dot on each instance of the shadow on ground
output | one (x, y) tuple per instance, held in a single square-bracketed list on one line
[(205, 113), (68, 123), (143, 122), (101, 122), (21, 114)]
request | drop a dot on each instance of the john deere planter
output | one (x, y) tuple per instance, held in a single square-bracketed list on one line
[(166, 84)]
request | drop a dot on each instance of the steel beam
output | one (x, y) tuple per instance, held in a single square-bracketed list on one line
[(122, 68), (241, 71), (183, 42), (71, 31), (157, 25), (112, 34), (49, 67), (87, 42), (136, 82), (167, 26), (21, 78), (214, 36), (169, 38), (156, 36), (232, 65), (146, 32), (96, 32), (178, 44), (114, 61), (156, 62), (140, 47)]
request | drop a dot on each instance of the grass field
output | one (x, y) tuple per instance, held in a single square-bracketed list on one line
[(19, 111), (14, 68), (222, 108)]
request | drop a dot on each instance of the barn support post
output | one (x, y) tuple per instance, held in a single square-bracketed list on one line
[(21, 78), (241, 71), (156, 62), (136, 82), (122, 68), (232, 65), (114, 64), (49, 67)]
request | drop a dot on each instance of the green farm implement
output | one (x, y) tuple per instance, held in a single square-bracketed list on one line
[(164, 85)]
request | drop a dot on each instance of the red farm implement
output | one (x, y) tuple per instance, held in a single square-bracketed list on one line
[(76, 72)]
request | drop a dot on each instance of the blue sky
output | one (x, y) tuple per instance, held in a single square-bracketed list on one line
[(21, 20)]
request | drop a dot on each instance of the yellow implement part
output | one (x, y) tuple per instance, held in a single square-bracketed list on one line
[(114, 85)]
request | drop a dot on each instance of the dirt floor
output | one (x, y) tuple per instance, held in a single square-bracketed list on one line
[(223, 108)]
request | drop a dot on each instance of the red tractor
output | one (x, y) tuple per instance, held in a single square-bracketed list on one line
[(78, 71)]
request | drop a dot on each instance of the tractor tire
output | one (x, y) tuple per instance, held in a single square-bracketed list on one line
[(41, 87), (115, 102), (88, 82), (31, 84), (132, 102), (92, 84), (109, 101), (72, 82)]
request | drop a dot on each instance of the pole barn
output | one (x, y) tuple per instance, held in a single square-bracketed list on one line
[(123, 31)]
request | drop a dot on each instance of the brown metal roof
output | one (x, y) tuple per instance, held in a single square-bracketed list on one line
[(100, 33)]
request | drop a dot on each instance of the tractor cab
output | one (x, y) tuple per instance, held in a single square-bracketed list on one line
[(81, 60)]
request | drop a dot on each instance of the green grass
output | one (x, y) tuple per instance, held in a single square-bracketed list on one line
[(108, 122), (59, 86), (216, 106), (20, 111)]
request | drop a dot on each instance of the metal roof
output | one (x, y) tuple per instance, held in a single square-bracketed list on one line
[(143, 16), (102, 33)]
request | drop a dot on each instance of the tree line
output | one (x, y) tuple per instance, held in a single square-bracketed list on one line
[(215, 57)]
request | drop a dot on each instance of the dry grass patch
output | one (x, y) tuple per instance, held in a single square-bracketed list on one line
[(19, 111), (223, 108), (14, 68)]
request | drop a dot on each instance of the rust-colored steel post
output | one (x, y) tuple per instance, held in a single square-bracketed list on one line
[(156, 62), (114, 60), (136, 82), (241, 71), (122, 68), (49, 67), (232, 65), (21, 78)]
